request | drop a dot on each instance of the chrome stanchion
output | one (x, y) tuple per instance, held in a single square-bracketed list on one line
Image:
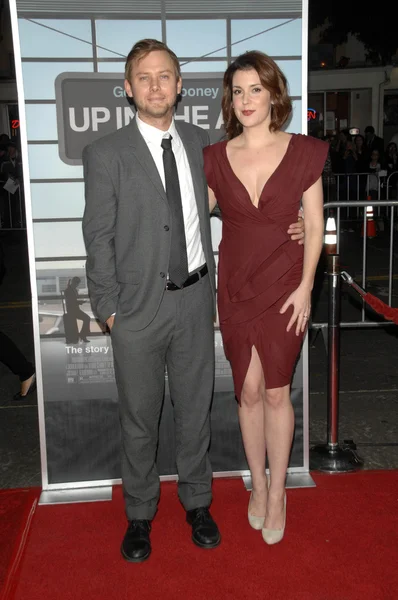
[(331, 457)]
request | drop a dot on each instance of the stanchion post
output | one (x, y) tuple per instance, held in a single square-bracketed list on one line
[(333, 349), (331, 457)]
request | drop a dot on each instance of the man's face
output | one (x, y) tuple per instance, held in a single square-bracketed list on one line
[(154, 86)]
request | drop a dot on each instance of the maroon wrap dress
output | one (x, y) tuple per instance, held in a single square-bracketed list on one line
[(259, 265)]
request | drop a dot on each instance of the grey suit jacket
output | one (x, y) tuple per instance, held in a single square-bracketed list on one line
[(125, 223)]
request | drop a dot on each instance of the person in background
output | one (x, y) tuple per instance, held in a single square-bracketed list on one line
[(390, 164), (11, 165), (373, 141), (12, 357), (11, 168), (342, 139), (394, 139), (4, 140), (374, 167), (361, 156)]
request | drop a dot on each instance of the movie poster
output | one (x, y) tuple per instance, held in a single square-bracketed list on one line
[(72, 69)]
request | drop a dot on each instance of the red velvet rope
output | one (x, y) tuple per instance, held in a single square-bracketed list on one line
[(391, 314)]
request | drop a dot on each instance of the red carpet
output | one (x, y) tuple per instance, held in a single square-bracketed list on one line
[(16, 511), (341, 543)]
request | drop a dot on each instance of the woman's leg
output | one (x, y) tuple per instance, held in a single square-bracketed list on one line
[(279, 428), (13, 358), (251, 419)]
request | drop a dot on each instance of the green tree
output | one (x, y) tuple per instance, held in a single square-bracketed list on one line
[(375, 28)]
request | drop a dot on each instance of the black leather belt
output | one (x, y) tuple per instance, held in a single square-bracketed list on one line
[(191, 279)]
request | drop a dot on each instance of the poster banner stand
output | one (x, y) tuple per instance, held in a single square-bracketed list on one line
[(77, 396)]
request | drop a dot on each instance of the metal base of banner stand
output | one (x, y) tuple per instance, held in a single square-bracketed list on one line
[(229, 474), (293, 480), (98, 494), (104, 493)]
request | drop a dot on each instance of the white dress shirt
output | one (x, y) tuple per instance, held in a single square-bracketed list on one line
[(153, 138)]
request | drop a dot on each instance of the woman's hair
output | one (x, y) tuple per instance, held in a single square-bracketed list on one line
[(144, 47), (346, 134), (271, 78)]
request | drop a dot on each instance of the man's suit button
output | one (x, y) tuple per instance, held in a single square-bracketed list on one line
[(162, 274), (166, 227)]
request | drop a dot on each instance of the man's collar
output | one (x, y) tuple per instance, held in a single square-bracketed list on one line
[(153, 134)]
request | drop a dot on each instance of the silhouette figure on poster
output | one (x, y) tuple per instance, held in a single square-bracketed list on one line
[(74, 314)]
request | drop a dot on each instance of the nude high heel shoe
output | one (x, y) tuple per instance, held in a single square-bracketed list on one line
[(273, 536), (255, 522)]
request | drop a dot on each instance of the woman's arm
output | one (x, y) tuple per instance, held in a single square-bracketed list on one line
[(300, 299), (212, 199), (314, 226)]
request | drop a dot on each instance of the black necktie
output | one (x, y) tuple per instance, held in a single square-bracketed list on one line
[(178, 266)]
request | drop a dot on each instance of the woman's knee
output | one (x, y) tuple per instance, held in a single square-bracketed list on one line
[(276, 397), (252, 394)]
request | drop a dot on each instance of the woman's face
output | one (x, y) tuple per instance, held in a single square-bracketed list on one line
[(251, 101), (392, 149), (359, 142)]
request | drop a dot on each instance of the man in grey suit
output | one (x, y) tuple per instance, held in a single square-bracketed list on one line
[(129, 224), (151, 278)]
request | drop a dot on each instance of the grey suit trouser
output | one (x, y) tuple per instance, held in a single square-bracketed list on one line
[(181, 337)]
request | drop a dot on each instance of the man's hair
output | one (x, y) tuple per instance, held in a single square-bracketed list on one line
[(142, 48), (272, 79), (369, 129)]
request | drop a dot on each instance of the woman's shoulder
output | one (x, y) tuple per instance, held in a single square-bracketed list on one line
[(311, 143), (214, 149), (312, 154)]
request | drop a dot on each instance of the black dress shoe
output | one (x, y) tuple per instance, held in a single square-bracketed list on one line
[(136, 545), (204, 530)]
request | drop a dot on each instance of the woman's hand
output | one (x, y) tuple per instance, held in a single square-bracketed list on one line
[(300, 299)]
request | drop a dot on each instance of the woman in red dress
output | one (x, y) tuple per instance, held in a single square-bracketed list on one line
[(259, 177)]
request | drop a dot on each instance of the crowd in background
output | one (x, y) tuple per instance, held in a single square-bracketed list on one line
[(366, 155)]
